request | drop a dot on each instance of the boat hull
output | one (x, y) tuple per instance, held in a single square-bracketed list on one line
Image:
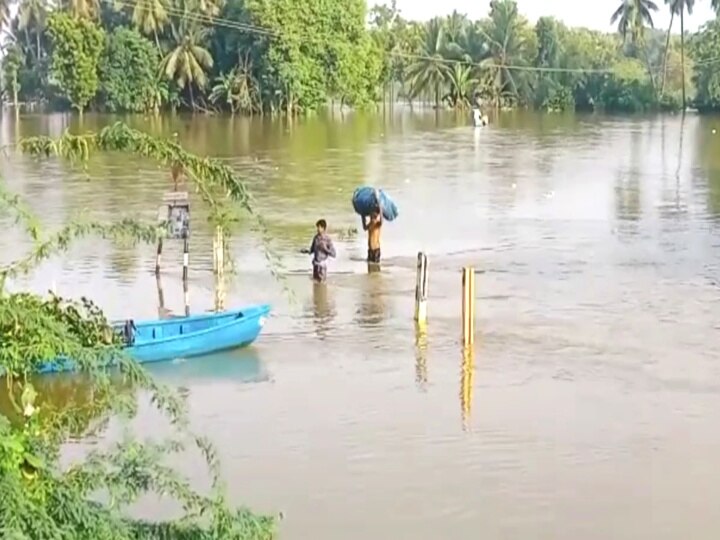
[(185, 337)]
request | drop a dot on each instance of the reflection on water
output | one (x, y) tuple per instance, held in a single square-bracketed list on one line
[(467, 372), (598, 304), (421, 343), (371, 310), (163, 312), (235, 366), (323, 309), (59, 393)]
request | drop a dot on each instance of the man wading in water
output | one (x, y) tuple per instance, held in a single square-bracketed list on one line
[(373, 227)]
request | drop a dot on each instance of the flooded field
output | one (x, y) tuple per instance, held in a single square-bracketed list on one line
[(591, 409)]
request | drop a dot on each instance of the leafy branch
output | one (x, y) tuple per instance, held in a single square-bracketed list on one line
[(23, 214), (217, 184), (60, 241)]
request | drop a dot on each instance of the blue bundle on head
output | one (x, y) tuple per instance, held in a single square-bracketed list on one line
[(364, 203)]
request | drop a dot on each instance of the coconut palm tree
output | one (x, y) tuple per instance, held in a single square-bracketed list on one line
[(210, 8), (428, 72), (239, 89), (461, 86), (469, 46), (667, 45), (150, 17), (5, 13), (32, 14), (506, 48), (188, 60), (89, 9), (455, 25), (632, 16), (679, 7)]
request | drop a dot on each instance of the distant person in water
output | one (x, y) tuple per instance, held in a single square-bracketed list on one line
[(321, 248), (373, 224)]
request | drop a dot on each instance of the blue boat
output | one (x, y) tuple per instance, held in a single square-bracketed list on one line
[(184, 337)]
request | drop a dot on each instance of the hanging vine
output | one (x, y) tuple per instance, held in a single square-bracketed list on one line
[(218, 185)]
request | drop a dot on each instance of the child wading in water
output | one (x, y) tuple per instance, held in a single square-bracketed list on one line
[(321, 248)]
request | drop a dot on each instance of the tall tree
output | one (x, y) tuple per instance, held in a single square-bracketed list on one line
[(671, 4), (77, 46), (150, 17), (508, 36), (188, 60), (679, 7), (32, 14), (428, 72), (5, 14), (632, 16), (86, 9)]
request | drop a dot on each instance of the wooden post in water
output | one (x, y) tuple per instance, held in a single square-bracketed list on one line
[(163, 313), (186, 259), (219, 268), (421, 289), (468, 306), (186, 295), (158, 256)]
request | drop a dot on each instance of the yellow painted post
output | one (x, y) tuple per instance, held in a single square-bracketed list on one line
[(468, 306), (421, 289)]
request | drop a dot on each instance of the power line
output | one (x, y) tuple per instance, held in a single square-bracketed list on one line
[(444, 60), (254, 29)]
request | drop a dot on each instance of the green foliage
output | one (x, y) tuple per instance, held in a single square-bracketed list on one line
[(628, 89), (40, 499), (128, 73), (706, 75), (218, 185), (319, 50), (89, 499), (294, 56), (11, 65), (77, 45), (238, 90)]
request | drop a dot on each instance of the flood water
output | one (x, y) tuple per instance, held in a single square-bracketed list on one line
[(591, 409)]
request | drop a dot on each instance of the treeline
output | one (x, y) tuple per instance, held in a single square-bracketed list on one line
[(293, 56)]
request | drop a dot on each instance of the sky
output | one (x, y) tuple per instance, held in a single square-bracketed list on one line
[(594, 14)]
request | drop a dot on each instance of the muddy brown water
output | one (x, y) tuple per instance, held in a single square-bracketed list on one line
[(591, 411)]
